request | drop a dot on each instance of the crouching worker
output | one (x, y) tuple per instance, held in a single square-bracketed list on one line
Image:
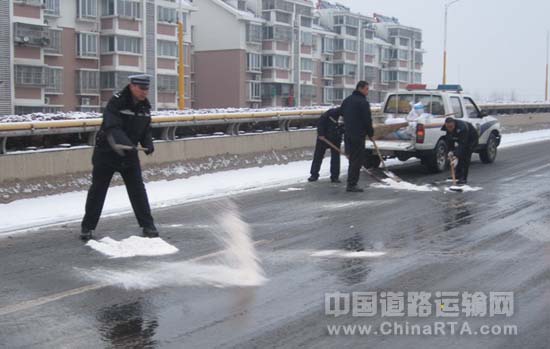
[(328, 131), (462, 140), (126, 122)]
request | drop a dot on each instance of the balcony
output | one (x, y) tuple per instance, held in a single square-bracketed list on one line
[(31, 35)]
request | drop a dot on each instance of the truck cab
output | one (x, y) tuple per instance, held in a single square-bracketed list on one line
[(424, 138)]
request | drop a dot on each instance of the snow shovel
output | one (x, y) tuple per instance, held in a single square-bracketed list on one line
[(454, 187), (333, 146), (385, 169)]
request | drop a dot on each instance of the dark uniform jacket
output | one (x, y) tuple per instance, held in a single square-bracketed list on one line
[(465, 137), (328, 125), (126, 122), (357, 116)]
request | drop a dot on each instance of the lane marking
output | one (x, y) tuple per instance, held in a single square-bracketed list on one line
[(10, 309)]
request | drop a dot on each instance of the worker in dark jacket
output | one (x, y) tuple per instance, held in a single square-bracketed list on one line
[(126, 123), (358, 122), (329, 130), (462, 139)]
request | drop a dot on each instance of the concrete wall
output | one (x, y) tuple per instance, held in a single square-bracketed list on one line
[(26, 166)]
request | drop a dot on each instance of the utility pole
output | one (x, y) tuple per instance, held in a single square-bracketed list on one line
[(547, 62), (181, 60), (447, 5)]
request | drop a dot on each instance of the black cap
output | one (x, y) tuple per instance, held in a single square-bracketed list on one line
[(141, 80), (447, 121)]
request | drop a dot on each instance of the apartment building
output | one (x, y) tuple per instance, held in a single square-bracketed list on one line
[(74, 54), (251, 53)]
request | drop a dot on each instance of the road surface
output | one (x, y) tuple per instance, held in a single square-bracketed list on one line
[(493, 240)]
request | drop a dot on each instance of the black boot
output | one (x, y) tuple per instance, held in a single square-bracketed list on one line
[(335, 180), (354, 189), (86, 234), (150, 232), (313, 178)]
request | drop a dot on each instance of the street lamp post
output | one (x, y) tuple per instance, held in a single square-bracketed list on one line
[(547, 62), (447, 5)]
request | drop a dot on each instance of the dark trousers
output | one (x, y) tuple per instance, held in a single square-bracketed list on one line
[(320, 150), (101, 178), (463, 166), (355, 148)]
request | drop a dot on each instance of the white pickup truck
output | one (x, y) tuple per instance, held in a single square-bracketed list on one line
[(426, 141)]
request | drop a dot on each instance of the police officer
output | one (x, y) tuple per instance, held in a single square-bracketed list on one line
[(126, 123), (329, 130), (358, 122), (462, 139)]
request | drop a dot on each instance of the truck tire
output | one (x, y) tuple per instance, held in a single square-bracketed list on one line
[(436, 162), (489, 153)]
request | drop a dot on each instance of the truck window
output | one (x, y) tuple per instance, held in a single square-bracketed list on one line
[(457, 107), (399, 104), (432, 104), (471, 108)]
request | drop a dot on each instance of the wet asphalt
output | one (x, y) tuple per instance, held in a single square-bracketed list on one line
[(496, 239)]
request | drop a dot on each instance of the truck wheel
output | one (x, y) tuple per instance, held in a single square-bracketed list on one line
[(437, 161), (489, 153)]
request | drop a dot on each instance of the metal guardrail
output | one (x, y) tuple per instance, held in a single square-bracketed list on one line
[(232, 121)]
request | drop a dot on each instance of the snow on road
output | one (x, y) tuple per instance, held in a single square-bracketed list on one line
[(132, 247), (67, 207)]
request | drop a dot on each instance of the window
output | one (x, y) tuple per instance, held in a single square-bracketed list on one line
[(86, 44), (107, 80), (306, 22), (167, 48), (418, 44), (86, 8), (403, 55), (417, 78), (418, 58), (87, 81), (268, 33), (166, 14), (338, 20), (107, 7), (371, 74), (54, 46), (254, 90), (352, 31), (306, 64), (276, 61), (471, 108), (283, 17), (342, 69), (457, 107), (328, 95), (107, 44), (167, 83), (403, 41), (346, 45), (328, 69), (328, 45), (307, 39), (282, 34), (54, 80), (128, 44), (129, 8), (253, 62), (51, 7), (253, 33), (370, 49), (115, 80), (29, 75), (307, 91), (369, 34), (402, 104)]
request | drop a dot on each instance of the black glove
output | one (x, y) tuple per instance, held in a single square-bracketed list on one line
[(150, 150)]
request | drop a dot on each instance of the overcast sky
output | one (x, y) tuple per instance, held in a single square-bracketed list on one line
[(494, 46)]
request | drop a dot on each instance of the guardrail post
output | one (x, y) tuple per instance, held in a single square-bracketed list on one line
[(284, 125), (92, 138), (168, 133), (3, 142), (233, 129)]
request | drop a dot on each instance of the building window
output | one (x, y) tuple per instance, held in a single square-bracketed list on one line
[(86, 8), (276, 61), (328, 45), (370, 49), (87, 81), (86, 44), (328, 95), (128, 44), (352, 31), (346, 45), (328, 70), (253, 32), (166, 14), (371, 74), (254, 90), (54, 46), (167, 83), (403, 41), (28, 75), (129, 8), (54, 80), (283, 17), (51, 7), (306, 64), (342, 69), (306, 22), (115, 80), (254, 62), (307, 39), (307, 91), (107, 44), (403, 55), (107, 7), (107, 80), (418, 58), (277, 33), (167, 48)]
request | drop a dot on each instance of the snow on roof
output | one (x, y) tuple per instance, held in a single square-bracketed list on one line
[(239, 13)]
